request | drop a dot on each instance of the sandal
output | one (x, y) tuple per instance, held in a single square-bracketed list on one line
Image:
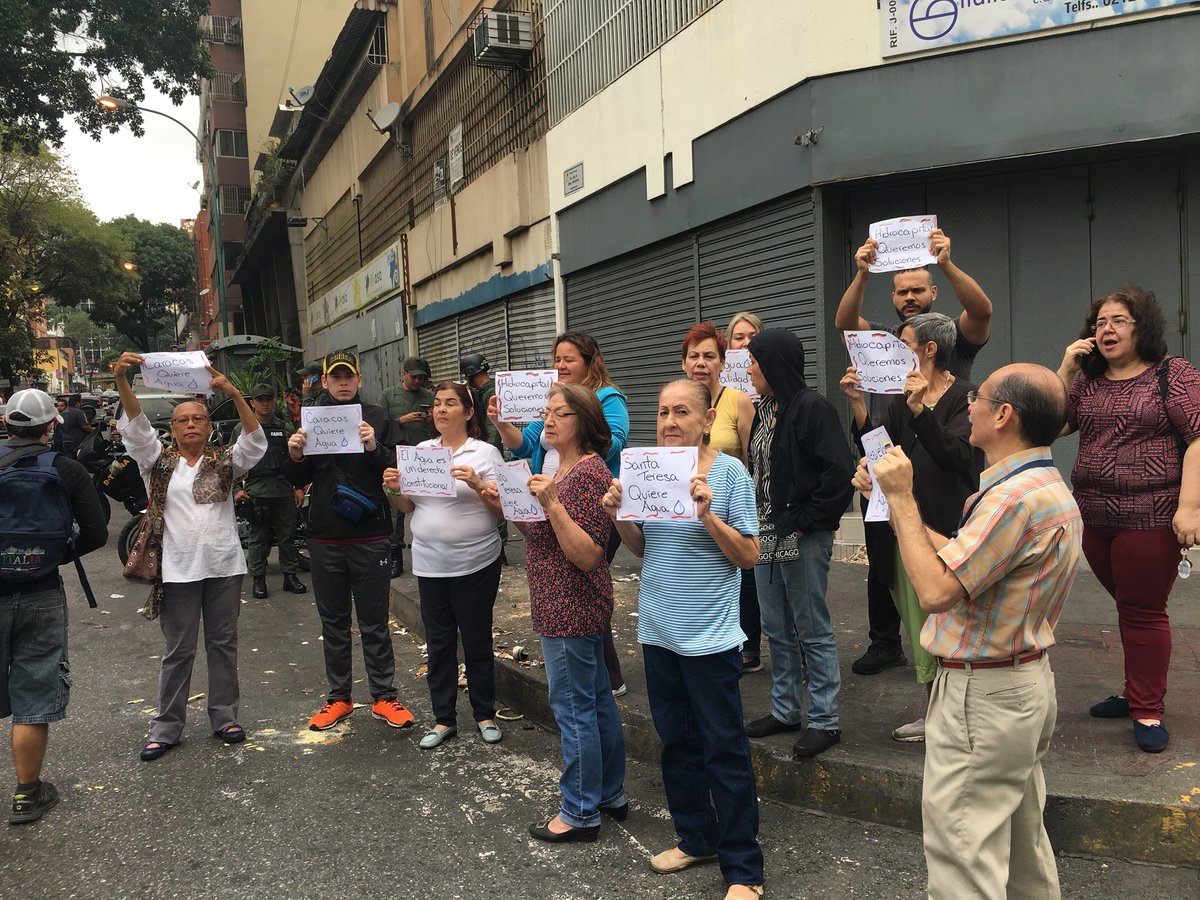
[(231, 734)]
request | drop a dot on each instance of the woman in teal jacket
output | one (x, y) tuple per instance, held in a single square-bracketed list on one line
[(578, 361)]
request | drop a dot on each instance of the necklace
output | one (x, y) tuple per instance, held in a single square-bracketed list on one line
[(564, 471)]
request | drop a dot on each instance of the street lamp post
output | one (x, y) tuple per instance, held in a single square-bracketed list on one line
[(109, 102)]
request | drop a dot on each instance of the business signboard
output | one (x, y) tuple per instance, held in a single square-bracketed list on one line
[(379, 277), (913, 26)]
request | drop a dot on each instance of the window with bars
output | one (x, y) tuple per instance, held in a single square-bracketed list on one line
[(378, 51), (235, 199), (228, 86), (231, 143), (225, 29)]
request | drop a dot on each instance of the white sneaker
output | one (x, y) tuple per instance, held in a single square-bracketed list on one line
[(620, 691), (912, 733)]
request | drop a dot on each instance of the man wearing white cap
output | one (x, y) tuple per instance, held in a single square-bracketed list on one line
[(35, 483)]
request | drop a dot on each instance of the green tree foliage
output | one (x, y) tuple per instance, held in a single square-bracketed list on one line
[(59, 54), (164, 282)]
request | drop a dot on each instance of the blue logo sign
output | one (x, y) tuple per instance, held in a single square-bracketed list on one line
[(932, 19)]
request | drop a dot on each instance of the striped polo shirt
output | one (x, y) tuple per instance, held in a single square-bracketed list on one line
[(1016, 557), (688, 601)]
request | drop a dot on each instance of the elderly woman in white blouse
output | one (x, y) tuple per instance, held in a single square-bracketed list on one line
[(202, 560), (456, 558)]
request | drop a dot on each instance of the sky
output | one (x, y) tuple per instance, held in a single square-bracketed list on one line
[(150, 176)]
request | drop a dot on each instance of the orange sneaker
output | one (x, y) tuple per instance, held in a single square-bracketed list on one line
[(330, 714), (393, 712)]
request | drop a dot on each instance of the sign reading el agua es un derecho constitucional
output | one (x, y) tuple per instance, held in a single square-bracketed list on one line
[(913, 26)]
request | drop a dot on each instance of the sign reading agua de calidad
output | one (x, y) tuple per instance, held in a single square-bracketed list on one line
[(331, 429), (913, 26), (656, 484), (883, 361), (521, 396), (736, 373), (425, 471)]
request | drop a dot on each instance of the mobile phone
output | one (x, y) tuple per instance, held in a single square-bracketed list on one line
[(425, 407)]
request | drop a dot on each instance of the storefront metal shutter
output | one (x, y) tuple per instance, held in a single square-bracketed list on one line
[(638, 308), (482, 331), (764, 261), (438, 343), (381, 369), (531, 328)]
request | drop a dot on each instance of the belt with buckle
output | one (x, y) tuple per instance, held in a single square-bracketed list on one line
[(1010, 662)]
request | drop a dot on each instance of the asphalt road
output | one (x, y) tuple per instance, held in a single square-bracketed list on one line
[(360, 811)]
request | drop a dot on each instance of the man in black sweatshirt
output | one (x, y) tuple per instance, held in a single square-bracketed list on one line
[(349, 522), (35, 674), (802, 468)]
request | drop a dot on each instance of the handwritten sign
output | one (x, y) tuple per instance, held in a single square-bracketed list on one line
[(883, 361), (656, 484), (903, 243), (425, 471), (331, 429), (512, 478), (875, 444), (521, 396), (183, 372), (736, 373)]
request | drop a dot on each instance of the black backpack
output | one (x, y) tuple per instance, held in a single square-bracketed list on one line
[(37, 524)]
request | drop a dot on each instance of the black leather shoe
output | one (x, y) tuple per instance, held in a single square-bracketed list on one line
[(767, 726), (260, 587), (154, 750), (397, 563), (620, 813), (877, 660), (293, 584), (814, 742), (583, 835)]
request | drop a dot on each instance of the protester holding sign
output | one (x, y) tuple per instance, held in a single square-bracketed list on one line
[(578, 360), (348, 528), (913, 292), (570, 599), (202, 565), (930, 422), (691, 641), (456, 558), (1137, 482)]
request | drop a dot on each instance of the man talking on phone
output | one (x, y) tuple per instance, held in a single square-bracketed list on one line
[(409, 405)]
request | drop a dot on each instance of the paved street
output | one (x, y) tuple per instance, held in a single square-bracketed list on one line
[(361, 812)]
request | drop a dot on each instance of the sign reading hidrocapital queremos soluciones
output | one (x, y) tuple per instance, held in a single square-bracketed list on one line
[(913, 26)]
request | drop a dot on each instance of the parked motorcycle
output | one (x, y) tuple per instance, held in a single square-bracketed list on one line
[(114, 473)]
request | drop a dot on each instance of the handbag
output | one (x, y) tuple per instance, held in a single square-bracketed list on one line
[(144, 564), (352, 505)]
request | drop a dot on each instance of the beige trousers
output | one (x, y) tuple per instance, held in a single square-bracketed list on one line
[(985, 735)]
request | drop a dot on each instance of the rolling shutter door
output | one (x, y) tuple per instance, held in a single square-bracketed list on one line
[(381, 369), (482, 331), (764, 261), (638, 308), (438, 343), (531, 327)]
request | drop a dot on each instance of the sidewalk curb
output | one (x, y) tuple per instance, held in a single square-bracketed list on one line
[(1159, 833)]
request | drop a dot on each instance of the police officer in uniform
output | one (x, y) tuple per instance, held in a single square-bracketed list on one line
[(273, 497), (408, 403), (475, 370)]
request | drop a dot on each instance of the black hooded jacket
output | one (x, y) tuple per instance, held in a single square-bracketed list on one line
[(811, 465)]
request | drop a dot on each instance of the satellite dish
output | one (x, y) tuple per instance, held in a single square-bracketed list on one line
[(385, 118), (303, 95)]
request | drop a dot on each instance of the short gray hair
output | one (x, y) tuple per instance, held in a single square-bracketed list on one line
[(936, 327)]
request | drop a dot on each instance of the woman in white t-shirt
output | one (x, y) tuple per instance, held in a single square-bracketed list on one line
[(456, 558)]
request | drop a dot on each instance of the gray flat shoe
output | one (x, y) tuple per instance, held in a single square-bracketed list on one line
[(435, 738), (490, 733)]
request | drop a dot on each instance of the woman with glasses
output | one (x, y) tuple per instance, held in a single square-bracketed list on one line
[(202, 560), (570, 599), (691, 643), (931, 422), (456, 558), (1137, 483), (579, 361)]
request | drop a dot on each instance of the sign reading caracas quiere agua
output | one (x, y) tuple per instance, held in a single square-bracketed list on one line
[(912, 26)]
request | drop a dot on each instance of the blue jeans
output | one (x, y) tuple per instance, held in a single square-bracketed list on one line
[(593, 745), (795, 619), (707, 776), (35, 674)]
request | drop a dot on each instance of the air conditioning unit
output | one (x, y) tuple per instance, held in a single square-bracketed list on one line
[(503, 39)]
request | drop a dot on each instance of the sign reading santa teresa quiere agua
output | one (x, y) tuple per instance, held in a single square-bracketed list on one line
[(911, 26)]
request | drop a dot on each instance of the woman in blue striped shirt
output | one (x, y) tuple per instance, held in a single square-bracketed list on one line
[(691, 643)]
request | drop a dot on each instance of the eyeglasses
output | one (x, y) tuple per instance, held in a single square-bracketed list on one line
[(183, 420), (1117, 322), (551, 414), (972, 396)]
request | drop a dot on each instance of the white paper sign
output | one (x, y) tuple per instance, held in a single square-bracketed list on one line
[(736, 373), (876, 443), (521, 396), (425, 471), (331, 429), (903, 243), (512, 478), (183, 372), (656, 484), (883, 361)]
